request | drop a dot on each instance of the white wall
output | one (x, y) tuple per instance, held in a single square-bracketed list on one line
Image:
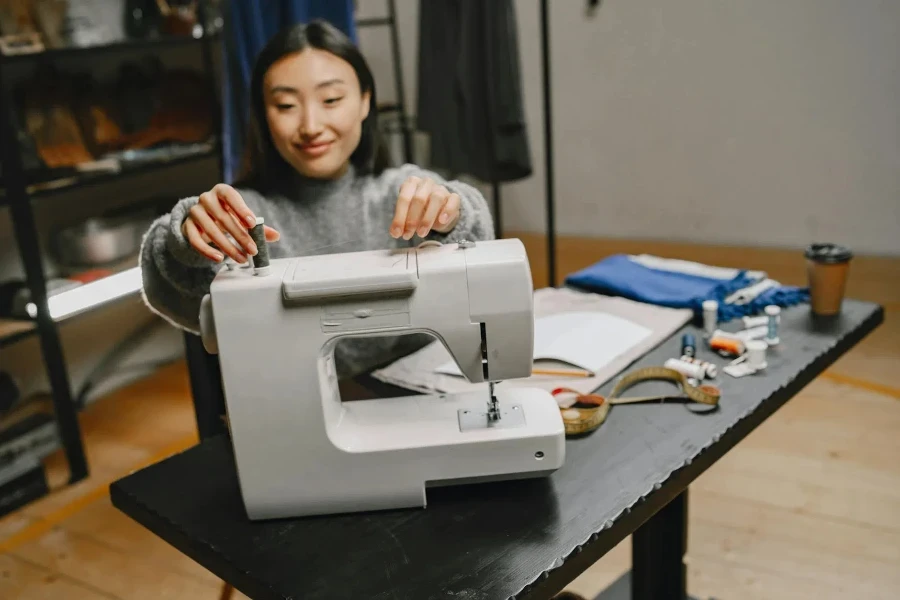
[(758, 122)]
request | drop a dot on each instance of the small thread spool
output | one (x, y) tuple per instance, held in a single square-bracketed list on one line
[(727, 345), (688, 345), (756, 354), (708, 368), (773, 313), (754, 333), (688, 369), (710, 316), (750, 322), (261, 260)]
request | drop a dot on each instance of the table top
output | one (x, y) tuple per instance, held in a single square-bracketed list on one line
[(519, 539)]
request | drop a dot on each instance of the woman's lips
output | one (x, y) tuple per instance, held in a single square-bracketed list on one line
[(315, 149)]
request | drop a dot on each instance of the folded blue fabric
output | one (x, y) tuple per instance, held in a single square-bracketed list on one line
[(681, 284)]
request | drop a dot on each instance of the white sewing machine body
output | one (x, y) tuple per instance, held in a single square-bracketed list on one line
[(300, 450)]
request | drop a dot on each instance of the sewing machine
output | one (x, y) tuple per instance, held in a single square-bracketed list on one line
[(300, 450)]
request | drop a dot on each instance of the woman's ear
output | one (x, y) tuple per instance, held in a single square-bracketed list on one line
[(364, 109)]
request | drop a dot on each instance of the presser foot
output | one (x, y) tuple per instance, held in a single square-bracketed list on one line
[(506, 418), (493, 405)]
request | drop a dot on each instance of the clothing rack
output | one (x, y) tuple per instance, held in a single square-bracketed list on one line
[(550, 208), (391, 21), (548, 147)]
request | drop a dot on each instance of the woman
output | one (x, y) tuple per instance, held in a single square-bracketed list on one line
[(314, 171)]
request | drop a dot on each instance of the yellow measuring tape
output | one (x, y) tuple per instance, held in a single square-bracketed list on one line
[(590, 410)]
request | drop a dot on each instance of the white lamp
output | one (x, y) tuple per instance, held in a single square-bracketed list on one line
[(89, 295)]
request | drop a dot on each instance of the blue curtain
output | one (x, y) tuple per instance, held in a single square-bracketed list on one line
[(249, 24)]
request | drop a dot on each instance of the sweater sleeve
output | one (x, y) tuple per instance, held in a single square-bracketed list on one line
[(175, 277), (475, 221)]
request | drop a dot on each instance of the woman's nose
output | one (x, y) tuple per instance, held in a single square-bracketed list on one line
[(311, 124)]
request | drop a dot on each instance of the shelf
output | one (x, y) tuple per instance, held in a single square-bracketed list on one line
[(122, 281), (112, 47), (14, 330), (125, 168), (374, 22)]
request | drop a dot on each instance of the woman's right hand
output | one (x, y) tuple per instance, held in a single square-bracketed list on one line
[(218, 212)]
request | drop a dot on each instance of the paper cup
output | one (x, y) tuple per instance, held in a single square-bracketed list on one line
[(826, 268)]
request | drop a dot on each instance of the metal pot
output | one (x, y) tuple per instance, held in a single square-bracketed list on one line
[(102, 240)]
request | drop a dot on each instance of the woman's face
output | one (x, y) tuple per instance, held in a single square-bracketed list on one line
[(315, 111)]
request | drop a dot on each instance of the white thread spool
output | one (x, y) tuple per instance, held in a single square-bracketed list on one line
[(756, 354), (710, 316), (691, 370), (708, 368), (773, 314), (750, 322), (754, 333)]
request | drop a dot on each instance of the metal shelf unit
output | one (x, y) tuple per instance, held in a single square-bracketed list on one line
[(18, 196)]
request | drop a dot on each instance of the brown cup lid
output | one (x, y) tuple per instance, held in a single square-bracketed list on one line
[(828, 253)]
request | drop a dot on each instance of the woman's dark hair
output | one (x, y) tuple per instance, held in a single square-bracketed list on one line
[(261, 163)]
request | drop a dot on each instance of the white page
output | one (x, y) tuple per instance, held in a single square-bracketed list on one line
[(588, 340)]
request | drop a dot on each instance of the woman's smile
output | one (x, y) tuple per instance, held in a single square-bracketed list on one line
[(317, 148)]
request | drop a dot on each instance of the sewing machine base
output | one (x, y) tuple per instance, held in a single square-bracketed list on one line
[(387, 452)]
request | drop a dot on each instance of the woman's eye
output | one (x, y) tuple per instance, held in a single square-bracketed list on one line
[(284, 106), (333, 100)]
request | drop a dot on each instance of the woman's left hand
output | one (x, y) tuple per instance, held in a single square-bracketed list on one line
[(423, 206)]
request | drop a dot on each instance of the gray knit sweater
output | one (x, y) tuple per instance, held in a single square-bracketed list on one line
[(313, 217)]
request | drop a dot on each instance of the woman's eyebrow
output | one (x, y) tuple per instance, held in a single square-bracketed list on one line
[(292, 90), (282, 88), (329, 82)]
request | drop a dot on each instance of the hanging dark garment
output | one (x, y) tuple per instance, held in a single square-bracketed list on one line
[(470, 90)]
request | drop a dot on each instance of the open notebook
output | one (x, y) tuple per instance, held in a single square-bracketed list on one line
[(586, 340), (601, 334)]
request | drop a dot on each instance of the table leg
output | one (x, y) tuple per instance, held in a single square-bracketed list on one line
[(658, 571)]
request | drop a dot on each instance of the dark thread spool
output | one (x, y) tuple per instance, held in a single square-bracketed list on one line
[(261, 260), (688, 345)]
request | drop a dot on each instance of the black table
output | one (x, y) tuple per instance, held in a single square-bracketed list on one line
[(523, 539)]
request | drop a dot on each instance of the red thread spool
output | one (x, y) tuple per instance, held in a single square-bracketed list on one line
[(721, 344)]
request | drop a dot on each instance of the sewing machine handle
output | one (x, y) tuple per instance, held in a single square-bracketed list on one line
[(208, 326)]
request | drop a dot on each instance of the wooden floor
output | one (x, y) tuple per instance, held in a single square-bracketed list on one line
[(807, 507)]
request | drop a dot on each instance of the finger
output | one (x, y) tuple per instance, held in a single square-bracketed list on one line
[(407, 191), (196, 240), (435, 206), (271, 234), (417, 208), (227, 222), (198, 213), (233, 199), (449, 215)]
